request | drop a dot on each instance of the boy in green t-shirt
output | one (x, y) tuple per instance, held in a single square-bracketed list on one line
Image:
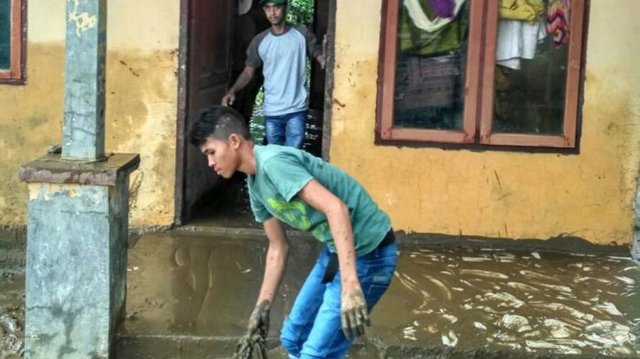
[(288, 185)]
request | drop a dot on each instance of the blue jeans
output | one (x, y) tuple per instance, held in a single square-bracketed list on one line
[(286, 129), (313, 328)]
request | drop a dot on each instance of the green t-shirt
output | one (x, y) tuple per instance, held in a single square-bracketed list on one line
[(281, 172)]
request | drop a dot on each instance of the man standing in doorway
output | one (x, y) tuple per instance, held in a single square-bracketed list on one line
[(281, 52)]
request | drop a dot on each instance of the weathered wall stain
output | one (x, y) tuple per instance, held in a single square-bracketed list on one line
[(140, 118), (539, 195)]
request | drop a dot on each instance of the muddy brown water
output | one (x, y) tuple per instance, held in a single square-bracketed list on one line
[(447, 300), (189, 296), (11, 314)]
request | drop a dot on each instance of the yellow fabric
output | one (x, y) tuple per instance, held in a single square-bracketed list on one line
[(527, 10)]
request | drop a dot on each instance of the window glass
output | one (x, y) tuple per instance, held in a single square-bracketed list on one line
[(430, 64), (5, 34), (531, 67)]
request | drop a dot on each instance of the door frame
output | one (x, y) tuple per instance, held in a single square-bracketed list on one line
[(329, 57), (183, 100)]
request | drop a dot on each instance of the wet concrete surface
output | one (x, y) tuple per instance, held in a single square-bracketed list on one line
[(190, 294)]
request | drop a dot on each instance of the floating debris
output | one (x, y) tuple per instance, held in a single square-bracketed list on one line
[(626, 280), (440, 285), (522, 286), (558, 288), (608, 334), (476, 259), (608, 307), (552, 346), (558, 328), (515, 322), (534, 275), (450, 340), (504, 299), (409, 333), (483, 273), (479, 325)]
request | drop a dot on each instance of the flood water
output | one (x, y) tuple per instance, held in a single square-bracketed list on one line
[(528, 301), (11, 314), (191, 286), (190, 294)]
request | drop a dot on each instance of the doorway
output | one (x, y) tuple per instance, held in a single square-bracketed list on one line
[(213, 38)]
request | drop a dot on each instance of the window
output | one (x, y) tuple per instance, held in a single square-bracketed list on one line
[(491, 72), (12, 41)]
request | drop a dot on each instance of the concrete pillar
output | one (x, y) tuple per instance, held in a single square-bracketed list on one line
[(76, 255), (85, 80), (77, 230)]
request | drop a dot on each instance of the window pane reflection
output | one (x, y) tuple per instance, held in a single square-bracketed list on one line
[(531, 67), (5, 34), (429, 85)]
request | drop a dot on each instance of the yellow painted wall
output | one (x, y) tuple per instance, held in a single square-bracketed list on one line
[(493, 193), (142, 61)]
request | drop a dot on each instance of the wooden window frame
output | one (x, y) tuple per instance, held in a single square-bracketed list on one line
[(15, 74), (572, 89), (479, 86)]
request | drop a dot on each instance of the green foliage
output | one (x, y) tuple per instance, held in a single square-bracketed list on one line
[(300, 12)]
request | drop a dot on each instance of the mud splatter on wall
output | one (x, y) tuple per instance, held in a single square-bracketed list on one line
[(497, 193)]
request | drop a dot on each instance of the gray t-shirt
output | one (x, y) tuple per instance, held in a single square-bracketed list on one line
[(282, 57), (281, 172)]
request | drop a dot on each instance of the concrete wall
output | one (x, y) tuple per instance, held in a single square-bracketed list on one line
[(496, 193), (141, 112), (427, 190)]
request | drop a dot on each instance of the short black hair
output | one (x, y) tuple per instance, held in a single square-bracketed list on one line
[(218, 122)]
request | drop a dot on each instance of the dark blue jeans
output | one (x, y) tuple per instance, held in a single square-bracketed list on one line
[(313, 328), (286, 129)]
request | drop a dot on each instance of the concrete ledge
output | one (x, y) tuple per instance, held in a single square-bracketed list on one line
[(52, 169)]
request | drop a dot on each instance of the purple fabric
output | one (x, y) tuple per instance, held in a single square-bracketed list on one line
[(442, 8)]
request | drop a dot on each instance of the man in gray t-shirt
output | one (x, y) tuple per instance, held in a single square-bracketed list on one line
[(281, 52)]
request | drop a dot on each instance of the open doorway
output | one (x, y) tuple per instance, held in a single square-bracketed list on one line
[(214, 35)]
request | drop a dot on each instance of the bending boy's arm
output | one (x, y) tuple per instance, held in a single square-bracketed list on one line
[(276, 259), (353, 306), (337, 213)]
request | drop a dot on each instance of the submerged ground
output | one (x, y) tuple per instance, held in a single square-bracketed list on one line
[(189, 295)]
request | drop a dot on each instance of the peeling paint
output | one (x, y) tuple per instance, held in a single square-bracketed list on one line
[(45, 191), (82, 21)]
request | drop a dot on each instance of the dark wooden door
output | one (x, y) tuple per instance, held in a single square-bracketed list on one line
[(207, 38)]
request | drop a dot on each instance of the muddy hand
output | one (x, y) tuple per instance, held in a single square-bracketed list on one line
[(259, 320), (354, 314)]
